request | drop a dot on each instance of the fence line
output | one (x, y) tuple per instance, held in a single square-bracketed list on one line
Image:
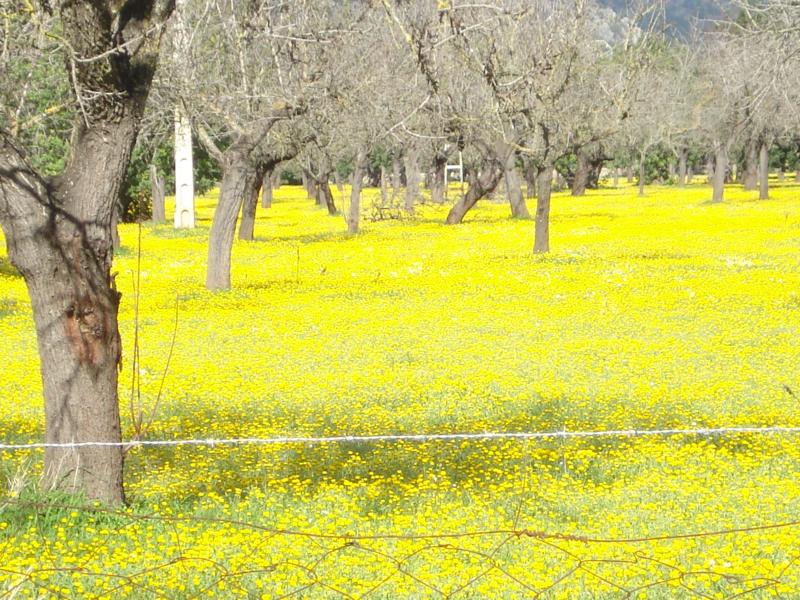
[(415, 437), (640, 567)]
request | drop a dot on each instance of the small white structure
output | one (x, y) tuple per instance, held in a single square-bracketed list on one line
[(184, 171), (459, 168)]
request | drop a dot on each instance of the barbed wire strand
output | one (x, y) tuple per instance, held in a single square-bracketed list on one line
[(413, 437)]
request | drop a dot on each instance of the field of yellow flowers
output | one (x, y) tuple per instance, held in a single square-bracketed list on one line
[(656, 312)]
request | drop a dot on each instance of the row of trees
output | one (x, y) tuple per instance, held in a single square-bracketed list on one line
[(336, 88)]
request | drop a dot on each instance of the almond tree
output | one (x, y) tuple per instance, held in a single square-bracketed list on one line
[(243, 71), (59, 228)]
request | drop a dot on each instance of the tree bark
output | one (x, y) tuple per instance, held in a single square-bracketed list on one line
[(337, 181), (642, 157), (763, 171), (615, 180), (354, 211), (324, 194), (237, 175), (396, 177), (157, 190), (309, 185), (266, 189), (247, 223), (720, 171), (59, 236), (750, 171), (437, 180), (581, 179), (541, 242), (412, 180), (683, 156), (529, 170), (629, 174), (519, 209), (384, 187), (481, 183)]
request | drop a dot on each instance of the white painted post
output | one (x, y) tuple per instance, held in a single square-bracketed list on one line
[(184, 165), (184, 171)]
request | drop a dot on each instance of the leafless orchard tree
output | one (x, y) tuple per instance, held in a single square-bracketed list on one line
[(250, 67), (59, 229)]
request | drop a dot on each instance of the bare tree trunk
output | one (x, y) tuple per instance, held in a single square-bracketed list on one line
[(763, 171), (642, 156), (247, 224), (582, 170), (354, 212), (237, 175), (157, 191), (615, 180), (384, 187), (529, 171), (629, 174), (781, 175), (750, 171), (397, 183), (519, 210), (689, 175), (337, 180), (437, 178), (683, 156), (276, 180), (541, 242), (266, 189), (720, 170), (480, 184), (309, 185), (59, 237), (325, 196), (412, 180)]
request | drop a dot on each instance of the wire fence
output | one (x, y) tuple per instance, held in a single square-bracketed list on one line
[(76, 550), (481, 564), (413, 437)]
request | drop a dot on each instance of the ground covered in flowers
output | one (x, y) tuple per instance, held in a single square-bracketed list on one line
[(656, 312)]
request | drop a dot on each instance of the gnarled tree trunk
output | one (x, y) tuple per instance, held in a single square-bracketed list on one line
[(763, 171), (519, 210), (157, 190), (582, 172), (237, 182), (642, 157), (541, 242), (412, 180), (529, 172), (354, 211), (266, 189), (750, 171), (481, 184), (247, 224), (436, 179), (683, 155), (720, 171), (59, 236)]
